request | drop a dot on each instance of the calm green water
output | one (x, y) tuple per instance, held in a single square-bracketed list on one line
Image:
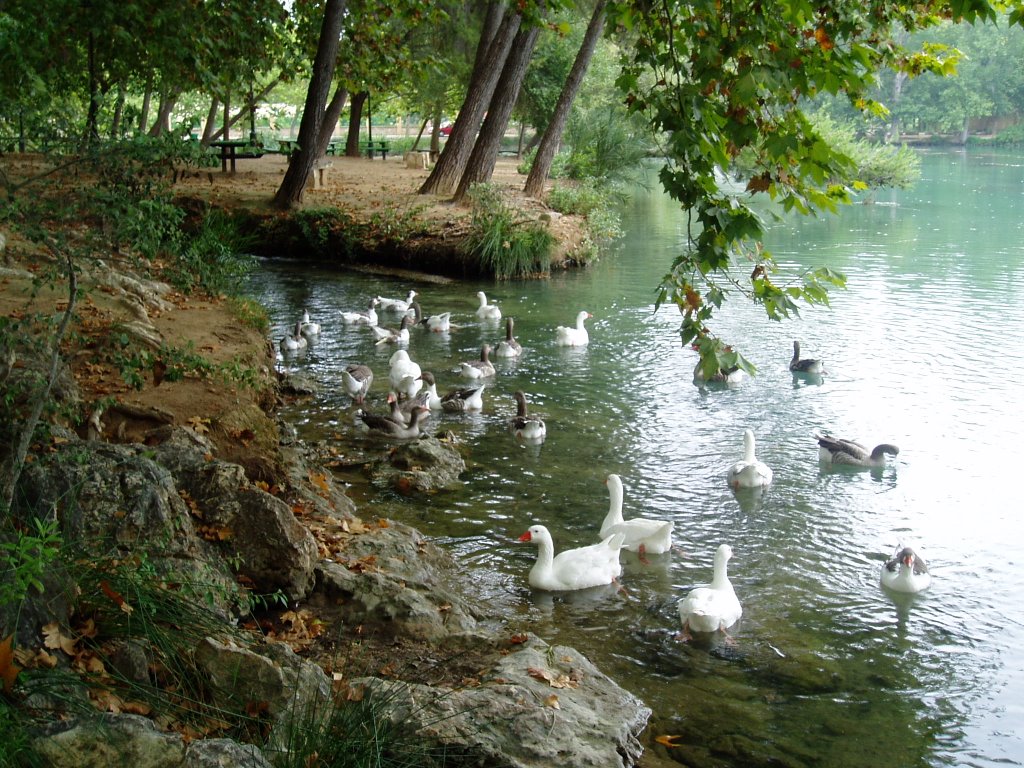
[(925, 350)]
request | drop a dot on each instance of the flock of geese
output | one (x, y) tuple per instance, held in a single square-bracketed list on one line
[(413, 395)]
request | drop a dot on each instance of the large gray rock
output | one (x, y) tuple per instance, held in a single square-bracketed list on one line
[(110, 741), (540, 706), (223, 753), (260, 530), (421, 465), (396, 577)]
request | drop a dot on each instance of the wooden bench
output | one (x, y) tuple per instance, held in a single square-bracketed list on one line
[(316, 178), (380, 145)]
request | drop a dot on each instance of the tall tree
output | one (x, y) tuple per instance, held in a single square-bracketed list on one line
[(303, 160), (556, 125), (449, 167), (480, 165)]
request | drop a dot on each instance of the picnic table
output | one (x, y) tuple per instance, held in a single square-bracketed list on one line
[(235, 149), (287, 146), (378, 145)]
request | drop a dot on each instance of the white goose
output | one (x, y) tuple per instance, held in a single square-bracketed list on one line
[(652, 537), (566, 336), (527, 428), (433, 400), (309, 328), (579, 568), (435, 323), (390, 336), (487, 311), (404, 374), (357, 380), (806, 365), (712, 607), (732, 375), (396, 305), (294, 342), (907, 572), (479, 369), (369, 317), (509, 347), (749, 473), (834, 450)]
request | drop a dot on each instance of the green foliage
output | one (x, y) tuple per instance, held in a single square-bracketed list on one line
[(1012, 136), (214, 259), (326, 232), (28, 554), (250, 313), (16, 736), (595, 202), (502, 244), (175, 363), (604, 144)]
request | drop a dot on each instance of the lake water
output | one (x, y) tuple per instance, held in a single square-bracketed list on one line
[(925, 349)]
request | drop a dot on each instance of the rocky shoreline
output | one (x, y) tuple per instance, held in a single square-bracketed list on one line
[(198, 486)]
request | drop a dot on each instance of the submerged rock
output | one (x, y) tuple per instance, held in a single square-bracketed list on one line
[(421, 465)]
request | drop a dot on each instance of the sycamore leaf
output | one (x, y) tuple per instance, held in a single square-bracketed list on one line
[(8, 669), (54, 638), (668, 741), (199, 425)]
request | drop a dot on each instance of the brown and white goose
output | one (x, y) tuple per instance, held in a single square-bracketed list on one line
[(834, 450), (357, 380), (479, 369), (462, 400), (384, 425), (805, 365), (509, 347), (525, 427)]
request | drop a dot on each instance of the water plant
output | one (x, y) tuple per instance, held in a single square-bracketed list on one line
[(502, 243)]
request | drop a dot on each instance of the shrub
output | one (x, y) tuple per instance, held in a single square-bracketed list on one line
[(502, 244), (214, 259)]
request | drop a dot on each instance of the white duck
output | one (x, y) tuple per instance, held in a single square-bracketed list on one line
[(834, 450), (807, 364), (479, 369), (433, 400), (749, 473), (731, 375), (906, 572), (369, 317), (435, 323), (712, 607), (525, 427), (357, 380), (566, 336), (487, 311), (462, 400), (309, 328), (396, 305), (579, 568), (404, 374), (652, 537), (509, 347), (390, 336), (294, 342)]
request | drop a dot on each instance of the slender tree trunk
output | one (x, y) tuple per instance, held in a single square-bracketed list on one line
[(452, 162), (303, 160), (423, 127), (162, 123), (92, 130), (147, 97), (115, 123), (211, 120), (330, 121), (563, 107), (485, 152), (355, 121), (435, 134)]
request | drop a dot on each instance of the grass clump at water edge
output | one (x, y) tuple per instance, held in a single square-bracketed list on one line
[(502, 243)]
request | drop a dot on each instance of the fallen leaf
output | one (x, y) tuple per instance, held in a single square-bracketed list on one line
[(519, 639), (668, 741), (199, 425), (8, 669), (552, 701), (114, 596), (54, 638)]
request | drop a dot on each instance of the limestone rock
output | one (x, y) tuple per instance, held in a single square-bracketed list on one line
[(394, 576), (421, 465), (110, 741), (540, 706), (223, 753)]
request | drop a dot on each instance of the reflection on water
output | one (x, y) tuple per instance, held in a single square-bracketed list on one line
[(924, 350)]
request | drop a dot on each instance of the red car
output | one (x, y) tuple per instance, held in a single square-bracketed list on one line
[(446, 129)]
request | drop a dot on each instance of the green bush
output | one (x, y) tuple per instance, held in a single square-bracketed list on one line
[(500, 243), (215, 257)]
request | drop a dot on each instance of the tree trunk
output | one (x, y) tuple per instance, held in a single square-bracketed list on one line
[(355, 122), (450, 165), (92, 130), (485, 152), (144, 112), (330, 121), (162, 123), (563, 107), (115, 123), (211, 121), (304, 160), (435, 134)]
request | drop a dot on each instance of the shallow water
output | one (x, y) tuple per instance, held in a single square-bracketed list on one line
[(925, 350)]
